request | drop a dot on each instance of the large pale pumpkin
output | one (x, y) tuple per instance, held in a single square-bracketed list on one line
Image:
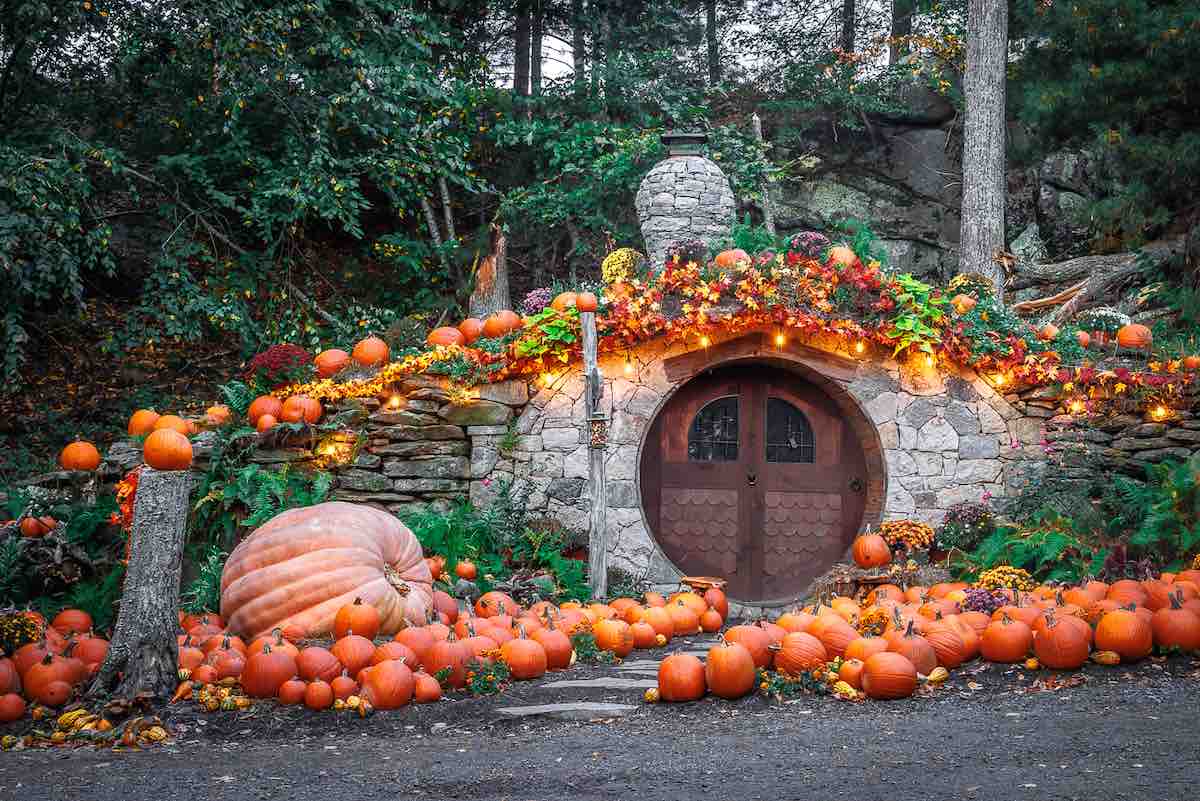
[(300, 567)]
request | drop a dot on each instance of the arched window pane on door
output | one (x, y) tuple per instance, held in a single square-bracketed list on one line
[(713, 434), (789, 435)]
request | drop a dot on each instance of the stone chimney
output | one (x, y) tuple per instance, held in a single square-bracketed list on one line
[(685, 196)]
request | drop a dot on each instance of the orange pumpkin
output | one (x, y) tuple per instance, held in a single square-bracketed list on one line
[(1126, 633), (711, 621), (217, 415), (265, 423), (343, 687), (1006, 640), (557, 646), (563, 301), (426, 689), (755, 640), (1134, 335), (917, 650), (1191, 362), (331, 362), (1048, 332), (1176, 627), (389, 685), (34, 527), (318, 695), (587, 302), (729, 258), (304, 564), (871, 550), (962, 303), (681, 678), (167, 449), (362, 619), (142, 422), (615, 636), (12, 707), (888, 675), (683, 618), (445, 336), (71, 621), (865, 647), (1083, 338), (264, 405), (851, 673), (301, 408), (79, 456), (799, 652), (451, 656), (471, 329), (729, 670), (526, 658), (291, 692), (370, 352), (173, 422), (1060, 645), (317, 663), (842, 256)]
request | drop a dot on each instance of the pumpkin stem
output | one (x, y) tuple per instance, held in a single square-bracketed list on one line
[(358, 601), (909, 631), (1176, 599)]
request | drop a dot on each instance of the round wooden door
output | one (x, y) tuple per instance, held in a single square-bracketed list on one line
[(751, 474)]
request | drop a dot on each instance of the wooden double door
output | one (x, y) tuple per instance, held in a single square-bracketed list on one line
[(751, 474)]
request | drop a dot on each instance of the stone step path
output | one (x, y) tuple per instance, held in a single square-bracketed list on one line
[(603, 683), (571, 710)]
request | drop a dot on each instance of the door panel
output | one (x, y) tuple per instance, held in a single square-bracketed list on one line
[(768, 508)]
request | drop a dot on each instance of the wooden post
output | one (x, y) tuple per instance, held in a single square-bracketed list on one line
[(768, 212), (597, 437), (143, 655)]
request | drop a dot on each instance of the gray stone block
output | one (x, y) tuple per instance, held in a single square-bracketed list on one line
[(566, 490), (431, 485), (477, 413), (449, 447), (403, 417), (428, 467), (978, 446), (510, 393), (417, 433), (363, 481)]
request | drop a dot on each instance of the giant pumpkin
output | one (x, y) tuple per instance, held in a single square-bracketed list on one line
[(302, 566)]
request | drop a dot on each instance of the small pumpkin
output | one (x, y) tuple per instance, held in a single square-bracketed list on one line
[(466, 570), (563, 301), (445, 336), (264, 405), (361, 618), (841, 256), (301, 408), (12, 707), (79, 455), (471, 329), (1134, 335), (799, 652), (142, 422), (318, 695), (730, 258), (331, 362), (1048, 332), (501, 323), (343, 687), (1191, 362), (871, 550), (962, 303), (173, 422), (266, 671), (711, 621), (729, 670), (851, 673), (1126, 633), (217, 415), (167, 449), (370, 352), (389, 685), (526, 658), (494, 603), (1083, 338), (888, 675), (1060, 645), (291, 692), (681, 678), (426, 689), (72, 621), (558, 647), (1006, 640), (587, 302), (916, 649), (265, 423), (755, 640), (449, 655), (1176, 627), (717, 600), (614, 636), (353, 651)]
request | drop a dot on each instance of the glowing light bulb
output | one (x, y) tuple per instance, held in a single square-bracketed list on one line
[(1076, 406), (395, 401), (704, 341), (628, 367), (1159, 412), (779, 340), (859, 347), (547, 379), (1000, 379), (928, 360)]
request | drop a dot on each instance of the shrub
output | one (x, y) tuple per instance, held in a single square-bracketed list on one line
[(279, 365)]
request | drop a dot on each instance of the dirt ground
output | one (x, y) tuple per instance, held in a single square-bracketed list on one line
[(996, 733)]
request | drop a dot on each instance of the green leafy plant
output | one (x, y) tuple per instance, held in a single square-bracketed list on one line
[(1050, 550), (1164, 512), (203, 594), (588, 653), (99, 597), (238, 395), (487, 678), (784, 687), (549, 333), (920, 308)]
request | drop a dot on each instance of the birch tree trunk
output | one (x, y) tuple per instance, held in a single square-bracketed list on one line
[(491, 280), (982, 237), (143, 656), (710, 34)]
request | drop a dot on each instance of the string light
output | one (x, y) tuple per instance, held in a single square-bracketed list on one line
[(1159, 412), (547, 379), (704, 341), (395, 401), (1000, 379), (1076, 406), (928, 360), (859, 347), (779, 340), (628, 366)]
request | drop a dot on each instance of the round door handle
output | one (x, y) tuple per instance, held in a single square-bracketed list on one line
[(856, 484), (752, 478)]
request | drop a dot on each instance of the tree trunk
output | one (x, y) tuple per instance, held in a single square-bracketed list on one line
[(535, 48), (143, 656), (848, 26), (578, 45), (521, 49), (982, 239), (491, 280), (710, 32), (902, 14), (767, 209)]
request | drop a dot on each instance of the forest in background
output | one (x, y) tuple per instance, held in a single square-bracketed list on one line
[(183, 185)]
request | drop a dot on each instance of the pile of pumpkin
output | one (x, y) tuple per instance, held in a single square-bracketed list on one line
[(883, 646), (220, 671), (52, 665)]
